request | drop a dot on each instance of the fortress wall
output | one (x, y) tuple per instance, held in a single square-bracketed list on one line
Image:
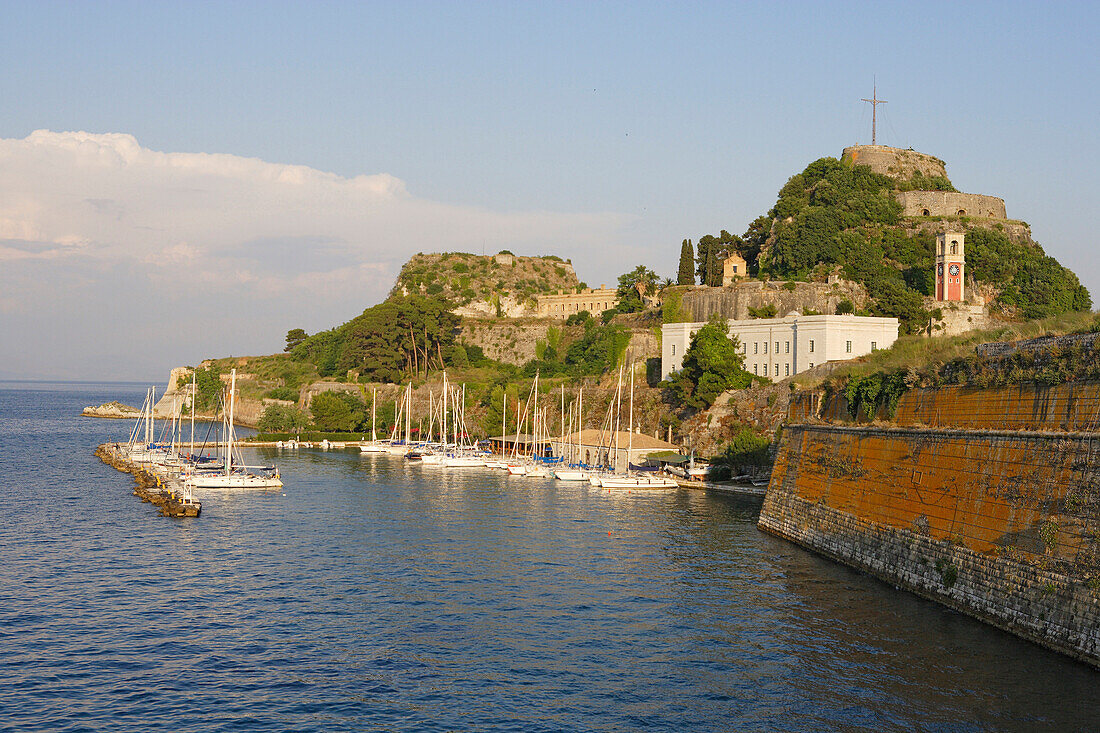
[(948, 203), (895, 162), (1001, 526), (734, 301), (1073, 406)]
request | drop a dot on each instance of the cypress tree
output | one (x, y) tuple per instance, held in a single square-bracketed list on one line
[(686, 275)]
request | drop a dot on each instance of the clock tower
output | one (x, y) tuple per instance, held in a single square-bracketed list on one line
[(950, 264)]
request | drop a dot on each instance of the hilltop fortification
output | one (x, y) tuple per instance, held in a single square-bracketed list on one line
[(926, 189), (894, 162), (486, 285)]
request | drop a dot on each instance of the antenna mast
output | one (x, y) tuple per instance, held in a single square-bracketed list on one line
[(875, 102)]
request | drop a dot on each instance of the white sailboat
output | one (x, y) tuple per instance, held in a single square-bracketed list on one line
[(633, 479), (230, 478), (373, 446)]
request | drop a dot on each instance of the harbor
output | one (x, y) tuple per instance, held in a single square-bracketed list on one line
[(382, 591)]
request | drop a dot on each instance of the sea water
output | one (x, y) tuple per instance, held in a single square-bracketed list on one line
[(374, 594)]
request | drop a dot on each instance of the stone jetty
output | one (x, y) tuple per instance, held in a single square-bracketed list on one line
[(157, 490)]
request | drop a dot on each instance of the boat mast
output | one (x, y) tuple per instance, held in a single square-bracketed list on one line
[(630, 438), (504, 422), (580, 421), (615, 422), (443, 413), (229, 426), (408, 411), (192, 412), (373, 403)]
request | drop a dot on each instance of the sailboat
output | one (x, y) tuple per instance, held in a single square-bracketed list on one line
[(575, 471), (373, 446), (231, 477), (635, 480)]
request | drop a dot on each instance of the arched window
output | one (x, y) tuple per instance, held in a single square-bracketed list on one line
[(962, 212), (954, 247), (926, 212)]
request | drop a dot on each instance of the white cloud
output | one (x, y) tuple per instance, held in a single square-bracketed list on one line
[(92, 222)]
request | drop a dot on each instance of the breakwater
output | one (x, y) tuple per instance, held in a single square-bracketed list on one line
[(150, 487), (1003, 525)]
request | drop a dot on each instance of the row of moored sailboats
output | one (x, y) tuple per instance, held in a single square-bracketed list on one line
[(447, 443), (164, 453)]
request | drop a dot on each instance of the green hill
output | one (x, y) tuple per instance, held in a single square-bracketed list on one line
[(460, 277), (834, 215)]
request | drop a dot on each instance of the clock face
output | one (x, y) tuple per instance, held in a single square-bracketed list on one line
[(954, 270)]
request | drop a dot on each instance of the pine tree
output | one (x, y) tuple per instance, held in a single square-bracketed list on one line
[(686, 275)]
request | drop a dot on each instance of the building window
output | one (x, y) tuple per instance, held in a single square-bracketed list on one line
[(811, 365), (788, 349), (848, 346), (874, 345), (811, 348), (765, 347), (754, 369), (674, 349), (755, 347), (787, 369), (777, 347), (765, 370)]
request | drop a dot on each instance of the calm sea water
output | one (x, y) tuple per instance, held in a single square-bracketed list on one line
[(374, 595)]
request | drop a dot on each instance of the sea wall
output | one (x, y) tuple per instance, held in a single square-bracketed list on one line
[(1002, 526)]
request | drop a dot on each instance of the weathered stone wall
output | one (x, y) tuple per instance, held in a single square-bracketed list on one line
[(949, 203), (734, 301), (1074, 406), (1001, 526), (895, 162), (511, 341)]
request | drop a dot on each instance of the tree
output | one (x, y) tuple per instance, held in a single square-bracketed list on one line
[(282, 419), (713, 274), (294, 337), (336, 412), (717, 246), (686, 273), (400, 336), (641, 280), (599, 350), (712, 364), (633, 286)]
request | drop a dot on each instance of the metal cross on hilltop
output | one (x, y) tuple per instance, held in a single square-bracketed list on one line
[(875, 102)]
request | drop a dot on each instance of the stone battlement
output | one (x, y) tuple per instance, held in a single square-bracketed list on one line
[(951, 203), (894, 162)]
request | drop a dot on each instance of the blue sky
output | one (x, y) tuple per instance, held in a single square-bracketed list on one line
[(610, 130)]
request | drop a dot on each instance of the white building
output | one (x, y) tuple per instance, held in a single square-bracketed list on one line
[(779, 347)]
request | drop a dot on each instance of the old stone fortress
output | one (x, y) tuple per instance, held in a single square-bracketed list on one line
[(786, 345)]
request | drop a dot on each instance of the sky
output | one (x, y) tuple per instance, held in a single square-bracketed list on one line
[(189, 180)]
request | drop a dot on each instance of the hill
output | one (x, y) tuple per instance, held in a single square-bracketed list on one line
[(842, 216), (501, 284)]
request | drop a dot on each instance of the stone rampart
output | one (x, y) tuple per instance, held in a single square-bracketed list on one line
[(951, 203), (733, 302), (1001, 526), (1073, 406), (894, 162)]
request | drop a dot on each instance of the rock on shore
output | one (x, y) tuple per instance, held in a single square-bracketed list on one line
[(113, 409)]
